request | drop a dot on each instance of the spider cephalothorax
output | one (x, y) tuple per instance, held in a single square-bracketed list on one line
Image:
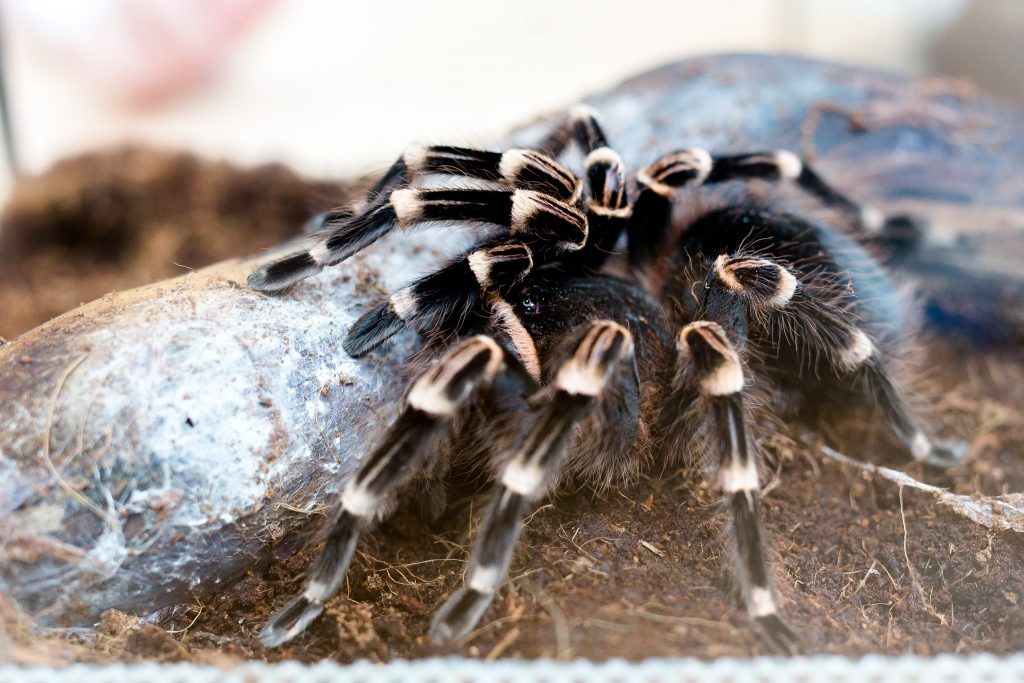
[(550, 369)]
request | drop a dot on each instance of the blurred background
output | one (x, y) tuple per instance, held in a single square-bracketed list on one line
[(158, 136), (330, 87)]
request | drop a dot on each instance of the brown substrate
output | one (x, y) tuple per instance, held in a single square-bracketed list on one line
[(117, 219)]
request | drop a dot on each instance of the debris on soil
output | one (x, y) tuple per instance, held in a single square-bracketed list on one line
[(1005, 512)]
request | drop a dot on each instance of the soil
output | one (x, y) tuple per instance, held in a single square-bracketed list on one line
[(861, 565), (116, 219)]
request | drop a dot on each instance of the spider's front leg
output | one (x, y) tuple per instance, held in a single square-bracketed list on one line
[(708, 411), (409, 448), (599, 360)]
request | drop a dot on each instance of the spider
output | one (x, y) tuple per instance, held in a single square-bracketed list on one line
[(548, 369)]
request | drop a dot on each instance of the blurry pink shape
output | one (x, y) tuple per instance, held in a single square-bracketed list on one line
[(141, 52)]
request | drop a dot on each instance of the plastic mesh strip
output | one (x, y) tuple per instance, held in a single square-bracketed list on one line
[(872, 669)]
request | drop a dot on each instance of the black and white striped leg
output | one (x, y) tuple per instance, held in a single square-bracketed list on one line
[(818, 320), (520, 168), (710, 364), (693, 167), (608, 210), (396, 176), (447, 300), (581, 127), (523, 169), (828, 329), (604, 188), (532, 470), (434, 399), (530, 214)]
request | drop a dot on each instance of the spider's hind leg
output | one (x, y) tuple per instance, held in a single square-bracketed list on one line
[(816, 318), (652, 211)]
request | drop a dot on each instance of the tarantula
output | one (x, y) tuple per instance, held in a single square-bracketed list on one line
[(549, 369)]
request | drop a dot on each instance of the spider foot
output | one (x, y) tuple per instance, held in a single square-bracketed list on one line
[(899, 233), (290, 622), (905, 228), (459, 614), (946, 455), (940, 455), (280, 275), (779, 637)]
